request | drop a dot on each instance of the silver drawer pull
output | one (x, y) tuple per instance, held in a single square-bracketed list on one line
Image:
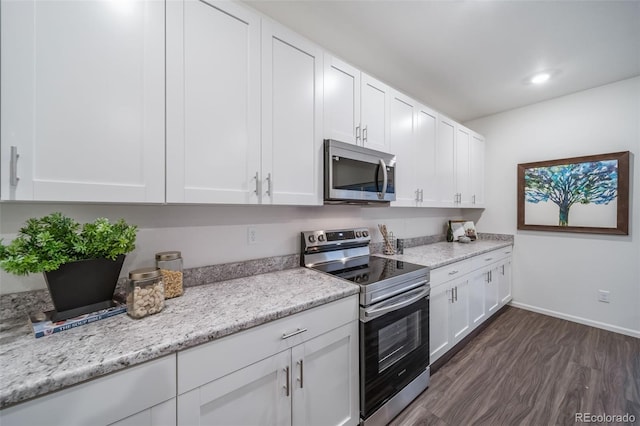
[(298, 331), (453, 272), (488, 259)]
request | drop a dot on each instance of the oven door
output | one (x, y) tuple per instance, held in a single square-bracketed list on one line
[(394, 345)]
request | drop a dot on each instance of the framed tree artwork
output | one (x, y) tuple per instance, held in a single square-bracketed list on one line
[(582, 194)]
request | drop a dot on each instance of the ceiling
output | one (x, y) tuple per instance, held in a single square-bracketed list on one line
[(472, 59)]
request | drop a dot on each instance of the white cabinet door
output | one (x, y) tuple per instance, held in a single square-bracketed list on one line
[(374, 113), (402, 143), (439, 323), (325, 379), (255, 395), (160, 415), (426, 157), (213, 102), (445, 165), (477, 168), (83, 100), (504, 282), (460, 318), (463, 170), (341, 101), (491, 291), (291, 118), (477, 312)]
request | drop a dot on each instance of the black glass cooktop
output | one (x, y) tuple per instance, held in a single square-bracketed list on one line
[(367, 270)]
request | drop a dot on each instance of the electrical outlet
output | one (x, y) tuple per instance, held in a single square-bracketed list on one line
[(252, 235), (603, 296)]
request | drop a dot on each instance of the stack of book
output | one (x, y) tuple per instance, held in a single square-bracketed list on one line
[(43, 326)]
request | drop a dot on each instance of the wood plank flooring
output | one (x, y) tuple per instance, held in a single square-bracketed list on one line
[(532, 369)]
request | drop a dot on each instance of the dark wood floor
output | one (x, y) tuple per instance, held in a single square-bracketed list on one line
[(532, 369)]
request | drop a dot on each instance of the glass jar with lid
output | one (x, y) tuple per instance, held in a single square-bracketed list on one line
[(145, 292), (170, 264)]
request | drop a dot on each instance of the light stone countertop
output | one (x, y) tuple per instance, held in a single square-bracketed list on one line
[(440, 254), (30, 367)]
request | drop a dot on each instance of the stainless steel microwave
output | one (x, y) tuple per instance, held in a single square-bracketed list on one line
[(357, 175)]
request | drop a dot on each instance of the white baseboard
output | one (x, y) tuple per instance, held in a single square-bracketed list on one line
[(579, 320)]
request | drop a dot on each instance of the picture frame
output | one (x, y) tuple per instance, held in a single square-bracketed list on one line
[(588, 194), (463, 227)]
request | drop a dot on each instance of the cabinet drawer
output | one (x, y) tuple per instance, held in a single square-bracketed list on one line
[(207, 362), (493, 256), (101, 401), (449, 272)]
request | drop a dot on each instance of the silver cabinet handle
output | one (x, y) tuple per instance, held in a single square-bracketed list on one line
[(257, 190), (474, 198), (456, 293), (365, 134), (421, 195), (357, 134), (487, 280), (293, 333), (450, 291), (385, 177), (13, 167), (286, 386), (417, 195), (301, 379), (453, 272), (269, 184), (502, 269)]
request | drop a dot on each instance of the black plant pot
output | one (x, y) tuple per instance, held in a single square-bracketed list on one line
[(83, 286)]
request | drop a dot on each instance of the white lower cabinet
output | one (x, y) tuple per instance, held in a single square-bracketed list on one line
[(300, 370), (465, 294), (143, 395)]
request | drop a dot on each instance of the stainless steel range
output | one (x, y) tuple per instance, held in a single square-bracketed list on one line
[(394, 318)]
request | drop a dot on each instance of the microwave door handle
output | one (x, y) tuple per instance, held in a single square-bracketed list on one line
[(385, 176)]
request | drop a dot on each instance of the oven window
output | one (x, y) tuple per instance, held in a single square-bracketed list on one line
[(397, 340)]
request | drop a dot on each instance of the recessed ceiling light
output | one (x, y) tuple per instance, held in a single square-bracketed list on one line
[(540, 78)]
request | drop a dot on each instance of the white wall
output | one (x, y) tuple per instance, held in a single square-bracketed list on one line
[(209, 235), (558, 273)]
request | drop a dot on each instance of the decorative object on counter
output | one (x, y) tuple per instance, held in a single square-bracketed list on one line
[(145, 292), (81, 264), (464, 239), (449, 232), (400, 246), (43, 325), (594, 188), (462, 228), (389, 240), (170, 264)]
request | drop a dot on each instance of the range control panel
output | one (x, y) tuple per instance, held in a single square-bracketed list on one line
[(336, 237)]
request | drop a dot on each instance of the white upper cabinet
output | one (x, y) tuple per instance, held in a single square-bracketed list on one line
[(82, 101), (213, 103), (291, 118), (245, 108), (445, 164), (477, 168), (341, 101), (463, 170), (403, 143), (426, 156), (356, 106)]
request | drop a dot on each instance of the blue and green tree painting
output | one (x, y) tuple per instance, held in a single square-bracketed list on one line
[(568, 184)]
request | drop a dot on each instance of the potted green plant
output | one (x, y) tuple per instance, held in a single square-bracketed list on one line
[(81, 264)]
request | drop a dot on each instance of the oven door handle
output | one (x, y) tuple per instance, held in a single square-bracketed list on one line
[(377, 312)]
